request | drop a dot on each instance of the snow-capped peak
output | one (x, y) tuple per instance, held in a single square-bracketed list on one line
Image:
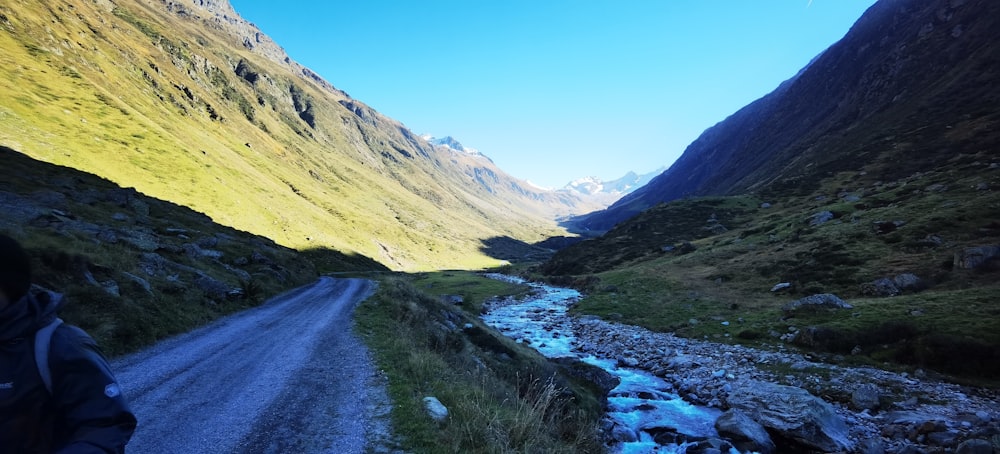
[(586, 185), (624, 185), (450, 142)]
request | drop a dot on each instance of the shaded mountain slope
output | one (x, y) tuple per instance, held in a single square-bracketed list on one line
[(189, 103), (912, 84), (873, 176)]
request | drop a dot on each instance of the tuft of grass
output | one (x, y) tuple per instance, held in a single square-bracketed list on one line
[(473, 288)]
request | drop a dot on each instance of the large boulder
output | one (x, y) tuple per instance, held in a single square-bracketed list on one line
[(745, 433), (793, 413), (909, 282), (880, 287), (974, 257), (975, 446), (815, 302)]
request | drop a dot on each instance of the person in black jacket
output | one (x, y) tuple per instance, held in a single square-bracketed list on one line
[(85, 411)]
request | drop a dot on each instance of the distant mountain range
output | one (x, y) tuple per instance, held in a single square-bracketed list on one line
[(619, 187), (588, 191)]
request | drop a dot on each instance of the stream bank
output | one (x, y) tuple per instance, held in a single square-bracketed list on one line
[(781, 395)]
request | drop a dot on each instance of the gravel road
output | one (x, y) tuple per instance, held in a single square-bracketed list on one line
[(288, 376)]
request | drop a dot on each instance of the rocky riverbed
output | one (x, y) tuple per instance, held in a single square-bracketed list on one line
[(883, 411), (762, 400)]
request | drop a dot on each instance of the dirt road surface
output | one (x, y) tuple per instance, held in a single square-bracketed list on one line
[(288, 376)]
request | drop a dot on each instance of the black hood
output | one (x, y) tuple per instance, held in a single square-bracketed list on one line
[(24, 316)]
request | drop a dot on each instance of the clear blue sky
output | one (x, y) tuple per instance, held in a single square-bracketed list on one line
[(554, 90)]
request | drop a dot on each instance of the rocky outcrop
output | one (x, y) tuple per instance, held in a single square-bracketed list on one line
[(816, 302), (885, 286), (154, 256), (975, 257)]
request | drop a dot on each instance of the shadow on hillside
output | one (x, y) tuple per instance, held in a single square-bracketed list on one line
[(136, 269), (334, 261), (517, 251), (29, 183)]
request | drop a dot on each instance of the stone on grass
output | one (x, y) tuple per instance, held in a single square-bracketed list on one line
[(974, 257), (818, 301), (881, 287), (435, 409)]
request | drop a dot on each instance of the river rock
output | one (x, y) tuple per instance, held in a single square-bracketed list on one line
[(975, 446), (745, 433), (793, 413), (911, 449), (818, 301), (865, 397), (871, 446), (435, 409), (594, 374)]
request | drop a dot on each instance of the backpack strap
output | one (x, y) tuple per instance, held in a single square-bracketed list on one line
[(43, 339)]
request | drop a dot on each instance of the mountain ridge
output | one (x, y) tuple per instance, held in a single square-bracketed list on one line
[(189, 103), (870, 176), (901, 59)]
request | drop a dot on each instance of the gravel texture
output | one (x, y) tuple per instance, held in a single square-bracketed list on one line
[(289, 376)]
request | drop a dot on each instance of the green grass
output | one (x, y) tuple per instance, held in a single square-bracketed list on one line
[(473, 288), (502, 397)]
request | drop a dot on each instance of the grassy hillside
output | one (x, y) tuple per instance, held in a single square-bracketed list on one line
[(136, 269), (690, 265), (177, 105)]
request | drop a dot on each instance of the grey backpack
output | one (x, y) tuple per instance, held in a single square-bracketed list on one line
[(43, 339)]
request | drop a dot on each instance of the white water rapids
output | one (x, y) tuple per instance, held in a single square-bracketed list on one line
[(641, 402)]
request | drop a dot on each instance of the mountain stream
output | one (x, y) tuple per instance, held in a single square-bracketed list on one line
[(642, 402)]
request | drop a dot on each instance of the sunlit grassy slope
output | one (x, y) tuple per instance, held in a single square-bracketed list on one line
[(178, 107)]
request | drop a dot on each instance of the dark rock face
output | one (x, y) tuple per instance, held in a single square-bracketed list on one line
[(900, 61), (745, 433)]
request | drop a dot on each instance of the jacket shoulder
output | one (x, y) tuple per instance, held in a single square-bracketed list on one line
[(69, 336)]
